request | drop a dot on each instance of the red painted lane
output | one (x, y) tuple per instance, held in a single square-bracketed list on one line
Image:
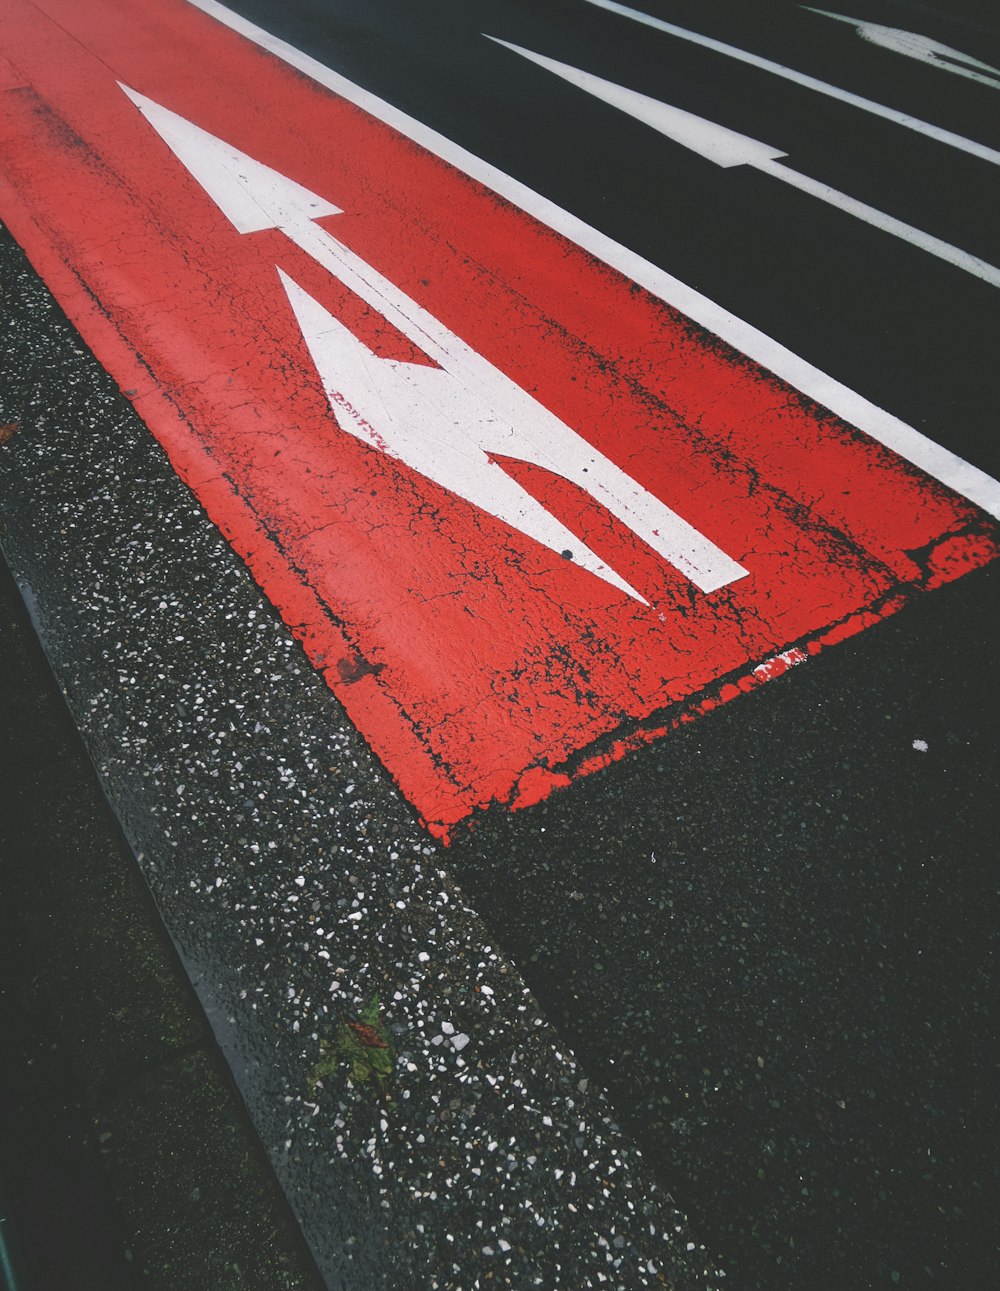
[(478, 664)]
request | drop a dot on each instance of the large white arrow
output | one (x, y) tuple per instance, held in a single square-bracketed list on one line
[(922, 48), (448, 421), (728, 148)]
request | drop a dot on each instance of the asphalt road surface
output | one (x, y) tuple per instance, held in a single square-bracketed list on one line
[(715, 1006)]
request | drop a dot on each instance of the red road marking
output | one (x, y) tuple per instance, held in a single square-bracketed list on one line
[(478, 664)]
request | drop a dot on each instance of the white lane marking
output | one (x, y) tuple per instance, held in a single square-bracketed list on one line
[(922, 48), (941, 135), (887, 223), (936, 460), (447, 422), (727, 148)]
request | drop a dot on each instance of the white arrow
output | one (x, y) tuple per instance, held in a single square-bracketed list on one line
[(728, 148), (448, 421), (920, 47)]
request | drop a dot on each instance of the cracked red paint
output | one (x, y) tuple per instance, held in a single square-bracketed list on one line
[(479, 665)]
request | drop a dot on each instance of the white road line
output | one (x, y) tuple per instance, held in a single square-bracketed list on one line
[(728, 148), (854, 408), (800, 78), (912, 45), (887, 223)]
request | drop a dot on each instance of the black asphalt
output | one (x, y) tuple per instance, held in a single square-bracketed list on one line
[(126, 1159), (771, 936)]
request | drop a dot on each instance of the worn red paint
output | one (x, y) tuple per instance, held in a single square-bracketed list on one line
[(479, 666)]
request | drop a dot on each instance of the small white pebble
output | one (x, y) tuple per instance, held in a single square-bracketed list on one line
[(920, 746)]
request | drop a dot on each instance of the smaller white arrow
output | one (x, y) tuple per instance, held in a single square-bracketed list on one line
[(728, 148), (913, 45)]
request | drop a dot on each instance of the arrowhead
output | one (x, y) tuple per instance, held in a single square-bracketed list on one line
[(714, 142), (250, 194)]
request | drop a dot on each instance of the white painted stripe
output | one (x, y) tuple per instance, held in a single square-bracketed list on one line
[(854, 408), (948, 137), (879, 220)]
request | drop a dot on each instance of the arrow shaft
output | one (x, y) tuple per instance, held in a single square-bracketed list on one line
[(417, 324), (945, 63), (880, 220)]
